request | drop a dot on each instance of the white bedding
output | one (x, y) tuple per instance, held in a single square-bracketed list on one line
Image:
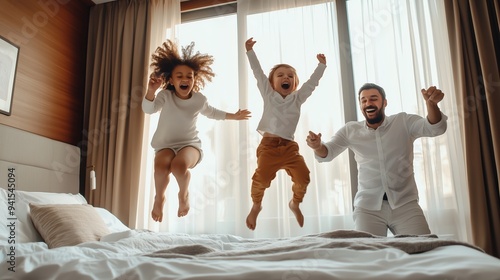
[(123, 255), (132, 254)]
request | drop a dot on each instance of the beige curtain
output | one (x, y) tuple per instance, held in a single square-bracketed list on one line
[(121, 36), (474, 40)]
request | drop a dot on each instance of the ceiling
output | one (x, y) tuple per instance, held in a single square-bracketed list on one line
[(188, 6), (105, 1)]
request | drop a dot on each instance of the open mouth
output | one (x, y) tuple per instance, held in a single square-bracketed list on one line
[(370, 110), (285, 85), (184, 87)]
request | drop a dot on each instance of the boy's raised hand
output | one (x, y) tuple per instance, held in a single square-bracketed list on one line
[(249, 44), (321, 58)]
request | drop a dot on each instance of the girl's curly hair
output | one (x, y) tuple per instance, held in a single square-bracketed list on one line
[(167, 57)]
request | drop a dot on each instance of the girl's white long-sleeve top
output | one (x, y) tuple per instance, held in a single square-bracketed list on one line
[(177, 122), (281, 115)]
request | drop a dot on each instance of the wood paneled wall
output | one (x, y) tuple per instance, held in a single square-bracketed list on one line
[(48, 95)]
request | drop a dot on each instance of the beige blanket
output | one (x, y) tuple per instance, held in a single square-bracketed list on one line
[(349, 239)]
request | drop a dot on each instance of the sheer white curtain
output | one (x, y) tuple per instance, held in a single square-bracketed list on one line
[(402, 46), (220, 185), (165, 16)]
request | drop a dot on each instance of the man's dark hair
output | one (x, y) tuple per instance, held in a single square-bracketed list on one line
[(372, 86)]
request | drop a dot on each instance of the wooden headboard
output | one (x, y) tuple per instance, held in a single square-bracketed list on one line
[(41, 164)]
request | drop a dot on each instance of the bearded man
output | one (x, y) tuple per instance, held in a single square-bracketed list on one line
[(387, 196)]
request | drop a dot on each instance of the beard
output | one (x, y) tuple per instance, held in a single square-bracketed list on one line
[(379, 117)]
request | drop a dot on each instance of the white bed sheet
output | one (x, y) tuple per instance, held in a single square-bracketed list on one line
[(122, 255)]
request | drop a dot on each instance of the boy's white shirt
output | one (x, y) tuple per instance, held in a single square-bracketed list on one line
[(281, 115)]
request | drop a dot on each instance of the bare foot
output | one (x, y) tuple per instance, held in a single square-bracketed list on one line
[(157, 212), (294, 206), (183, 205), (252, 216)]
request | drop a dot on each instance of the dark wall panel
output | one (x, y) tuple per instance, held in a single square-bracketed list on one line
[(49, 87)]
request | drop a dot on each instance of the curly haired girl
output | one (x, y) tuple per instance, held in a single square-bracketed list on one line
[(176, 143)]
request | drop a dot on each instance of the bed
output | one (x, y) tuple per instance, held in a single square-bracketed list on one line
[(51, 232)]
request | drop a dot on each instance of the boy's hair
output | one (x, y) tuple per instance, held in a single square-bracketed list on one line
[(273, 70), (372, 86), (167, 57)]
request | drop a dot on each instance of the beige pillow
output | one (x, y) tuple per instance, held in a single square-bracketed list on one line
[(67, 224)]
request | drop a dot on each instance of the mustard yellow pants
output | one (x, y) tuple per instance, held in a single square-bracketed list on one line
[(273, 154)]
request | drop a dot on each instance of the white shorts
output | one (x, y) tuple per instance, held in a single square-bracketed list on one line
[(176, 150), (407, 219)]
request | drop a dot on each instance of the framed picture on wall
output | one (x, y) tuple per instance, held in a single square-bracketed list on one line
[(9, 54)]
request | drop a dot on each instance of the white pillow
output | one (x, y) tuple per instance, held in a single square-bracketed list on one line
[(51, 198), (67, 224), (111, 221), (25, 231)]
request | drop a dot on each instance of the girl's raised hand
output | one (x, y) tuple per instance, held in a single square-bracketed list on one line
[(154, 82)]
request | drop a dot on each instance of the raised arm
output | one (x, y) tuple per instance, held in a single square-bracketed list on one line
[(249, 44), (153, 85), (321, 58), (308, 87), (432, 97), (262, 81)]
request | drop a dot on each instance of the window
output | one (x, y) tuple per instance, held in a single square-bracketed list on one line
[(390, 45), (220, 184)]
